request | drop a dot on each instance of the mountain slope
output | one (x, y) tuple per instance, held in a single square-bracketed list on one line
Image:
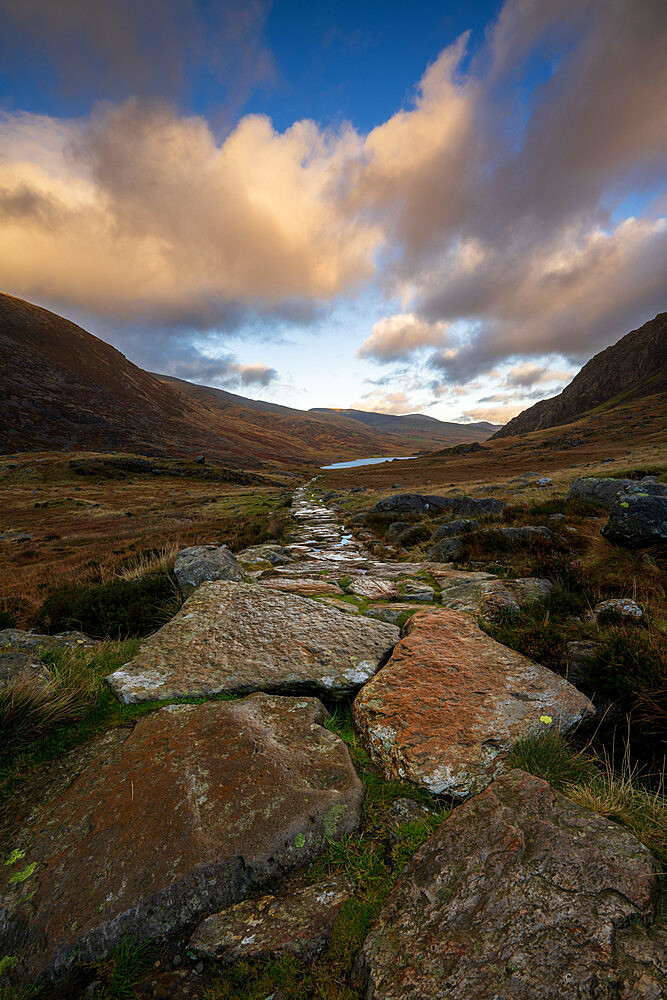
[(64, 389), (417, 426), (634, 367)]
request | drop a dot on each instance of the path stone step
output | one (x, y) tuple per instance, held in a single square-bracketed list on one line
[(521, 894), (451, 701), (149, 830), (239, 637)]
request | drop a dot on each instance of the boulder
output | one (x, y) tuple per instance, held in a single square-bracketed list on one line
[(622, 606), (150, 829), (394, 530), (408, 503), (451, 529), (605, 491), (521, 894), (415, 534), (637, 520), (298, 923), (199, 563), (34, 642), (19, 667), (487, 597), (450, 703), (241, 637), (464, 506), (446, 550)]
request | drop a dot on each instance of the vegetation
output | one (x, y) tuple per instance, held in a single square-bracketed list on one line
[(39, 723), (593, 782), (120, 609)]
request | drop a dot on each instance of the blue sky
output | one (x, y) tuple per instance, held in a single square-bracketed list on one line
[(441, 207)]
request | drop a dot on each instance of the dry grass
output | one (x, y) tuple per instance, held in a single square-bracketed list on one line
[(31, 706), (140, 565), (622, 797), (617, 572)]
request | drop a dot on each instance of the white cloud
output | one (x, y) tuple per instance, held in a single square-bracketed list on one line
[(397, 337)]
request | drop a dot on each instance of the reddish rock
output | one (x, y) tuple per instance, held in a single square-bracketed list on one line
[(520, 895), (151, 829), (451, 701)]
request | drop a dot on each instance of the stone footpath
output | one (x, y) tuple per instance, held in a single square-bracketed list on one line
[(190, 823)]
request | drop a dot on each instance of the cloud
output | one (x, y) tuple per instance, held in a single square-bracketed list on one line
[(491, 207), (491, 414), (528, 373), (194, 366), (397, 403), (156, 48), (500, 214), (397, 337), (140, 213)]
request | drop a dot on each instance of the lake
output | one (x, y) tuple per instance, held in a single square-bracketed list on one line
[(367, 461)]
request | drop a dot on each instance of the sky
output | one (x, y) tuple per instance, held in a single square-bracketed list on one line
[(442, 207)]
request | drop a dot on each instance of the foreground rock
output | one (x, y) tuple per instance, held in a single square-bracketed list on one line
[(637, 520), (152, 829), (299, 923), (520, 895), (205, 562), (450, 703), (239, 637)]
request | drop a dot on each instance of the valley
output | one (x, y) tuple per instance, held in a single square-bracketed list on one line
[(401, 650)]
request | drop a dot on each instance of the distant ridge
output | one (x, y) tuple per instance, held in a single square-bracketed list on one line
[(634, 367), (65, 390), (418, 426)]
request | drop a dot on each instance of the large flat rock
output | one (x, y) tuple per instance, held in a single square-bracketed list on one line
[(451, 701), (239, 637), (149, 830), (520, 895)]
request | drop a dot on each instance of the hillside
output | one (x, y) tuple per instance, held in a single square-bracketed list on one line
[(634, 367), (64, 389), (417, 426)]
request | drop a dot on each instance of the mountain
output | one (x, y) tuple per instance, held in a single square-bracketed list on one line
[(423, 430), (634, 367), (64, 389)]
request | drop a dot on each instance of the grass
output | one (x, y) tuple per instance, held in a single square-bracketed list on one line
[(36, 727), (591, 781), (120, 609)]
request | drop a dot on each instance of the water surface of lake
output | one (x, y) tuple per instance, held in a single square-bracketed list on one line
[(367, 461)]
